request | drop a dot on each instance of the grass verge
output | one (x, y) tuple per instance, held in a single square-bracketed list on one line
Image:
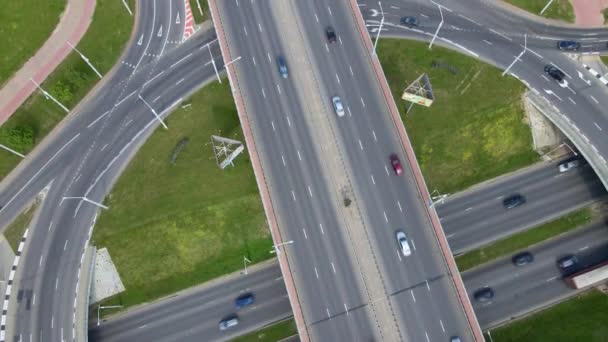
[(14, 232), (559, 9), (271, 333), (524, 239), (198, 18), (172, 226), (604, 59), (24, 27), (474, 130), (582, 318), (69, 83)]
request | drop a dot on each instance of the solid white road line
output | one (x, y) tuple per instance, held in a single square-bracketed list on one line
[(288, 121), (360, 145), (598, 126), (412, 293), (593, 98), (316, 273), (272, 123), (299, 156), (321, 227), (385, 217), (487, 42), (399, 205), (293, 194), (373, 180), (334, 268), (442, 327), (502, 35), (283, 159), (386, 169), (374, 134)]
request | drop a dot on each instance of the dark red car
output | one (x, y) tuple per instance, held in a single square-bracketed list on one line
[(396, 164)]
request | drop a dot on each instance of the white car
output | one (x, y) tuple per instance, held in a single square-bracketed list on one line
[(338, 107), (568, 165), (404, 245)]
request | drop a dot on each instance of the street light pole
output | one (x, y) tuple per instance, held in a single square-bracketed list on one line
[(438, 27), (379, 29), (546, 6), (11, 151), (518, 56), (559, 146), (105, 307), (276, 247), (245, 261), (228, 71), (214, 66), (85, 59), (47, 95), (86, 200), (153, 112)]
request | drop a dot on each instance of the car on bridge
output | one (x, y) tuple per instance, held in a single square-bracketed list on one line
[(404, 245), (331, 34), (282, 67), (338, 107)]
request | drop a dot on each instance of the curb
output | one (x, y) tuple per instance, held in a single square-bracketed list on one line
[(9, 285)]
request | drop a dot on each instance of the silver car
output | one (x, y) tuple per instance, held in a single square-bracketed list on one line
[(404, 245), (338, 107), (569, 164), (228, 322)]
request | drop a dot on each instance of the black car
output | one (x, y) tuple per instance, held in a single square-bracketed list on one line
[(568, 45), (484, 294), (409, 21), (514, 201), (567, 262), (522, 258), (244, 300), (556, 74), (331, 34)]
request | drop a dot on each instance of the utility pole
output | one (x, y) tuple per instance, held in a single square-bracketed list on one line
[(438, 198), (124, 2), (85, 59), (379, 29), (438, 27), (518, 56)]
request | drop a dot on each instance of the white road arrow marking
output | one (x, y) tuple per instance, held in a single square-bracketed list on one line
[(177, 21), (550, 92), (160, 32), (580, 74), (375, 12), (141, 39)]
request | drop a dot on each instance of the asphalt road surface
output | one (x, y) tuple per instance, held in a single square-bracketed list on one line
[(84, 156), (193, 315), (477, 217)]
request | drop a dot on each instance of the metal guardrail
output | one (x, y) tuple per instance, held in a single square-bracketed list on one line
[(572, 132)]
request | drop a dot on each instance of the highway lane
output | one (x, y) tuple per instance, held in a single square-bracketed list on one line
[(477, 217), (84, 158), (498, 41), (404, 289), (518, 291), (281, 128), (193, 315)]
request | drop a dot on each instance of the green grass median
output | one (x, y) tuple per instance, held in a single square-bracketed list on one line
[(271, 333), (196, 13), (69, 83), (173, 226), (474, 130), (559, 9), (24, 27), (524, 239), (14, 231), (582, 318)]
